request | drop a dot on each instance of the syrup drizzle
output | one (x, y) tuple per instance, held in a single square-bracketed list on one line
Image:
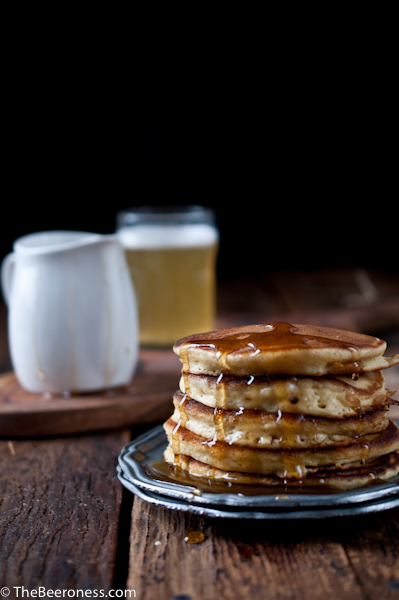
[(175, 437), (220, 405), (287, 430), (275, 337), (162, 471)]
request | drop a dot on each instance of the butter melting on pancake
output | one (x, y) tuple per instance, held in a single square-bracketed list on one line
[(283, 349)]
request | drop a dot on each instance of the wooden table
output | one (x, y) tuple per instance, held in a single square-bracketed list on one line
[(66, 523)]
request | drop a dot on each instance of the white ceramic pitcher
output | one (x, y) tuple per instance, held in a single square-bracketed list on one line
[(72, 317)]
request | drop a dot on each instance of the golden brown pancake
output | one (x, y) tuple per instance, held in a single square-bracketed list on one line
[(329, 396), (286, 464), (382, 468), (260, 429), (282, 349), (298, 404)]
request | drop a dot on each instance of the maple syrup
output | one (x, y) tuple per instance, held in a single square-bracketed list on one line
[(194, 537), (163, 471), (275, 337)]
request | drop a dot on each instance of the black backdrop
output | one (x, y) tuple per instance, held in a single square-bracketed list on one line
[(299, 178)]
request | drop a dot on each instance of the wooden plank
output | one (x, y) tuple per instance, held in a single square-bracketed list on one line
[(338, 558), (373, 552), (147, 399), (59, 511), (172, 567)]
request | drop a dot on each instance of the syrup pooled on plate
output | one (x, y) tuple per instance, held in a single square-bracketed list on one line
[(162, 471)]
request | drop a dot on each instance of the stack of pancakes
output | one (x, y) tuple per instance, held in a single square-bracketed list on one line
[(283, 404)]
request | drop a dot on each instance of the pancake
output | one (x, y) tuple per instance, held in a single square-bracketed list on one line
[(260, 429), (382, 468), (283, 404), (286, 464), (282, 349), (329, 396)]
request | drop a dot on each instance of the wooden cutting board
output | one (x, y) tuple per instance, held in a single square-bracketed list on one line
[(147, 399)]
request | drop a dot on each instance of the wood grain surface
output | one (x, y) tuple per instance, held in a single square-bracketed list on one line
[(60, 503), (66, 522), (345, 558)]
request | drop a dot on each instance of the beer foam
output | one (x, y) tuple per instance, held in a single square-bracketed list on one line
[(167, 236)]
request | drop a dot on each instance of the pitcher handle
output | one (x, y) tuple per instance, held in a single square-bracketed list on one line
[(7, 268)]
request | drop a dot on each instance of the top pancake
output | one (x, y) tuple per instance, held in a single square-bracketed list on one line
[(282, 349)]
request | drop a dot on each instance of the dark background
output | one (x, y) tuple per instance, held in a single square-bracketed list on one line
[(298, 163)]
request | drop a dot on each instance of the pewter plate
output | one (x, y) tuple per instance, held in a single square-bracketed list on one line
[(234, 513), (149, 448)]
